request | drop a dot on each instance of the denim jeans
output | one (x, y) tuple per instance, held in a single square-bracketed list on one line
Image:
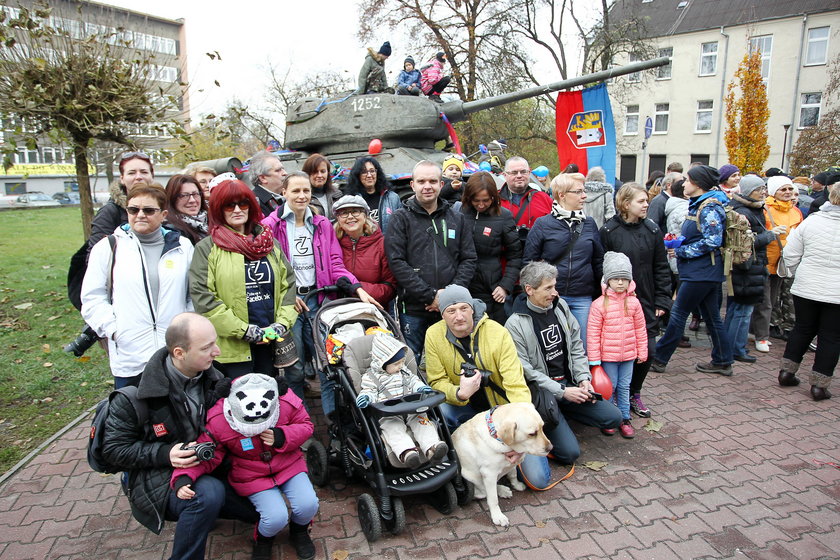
[(272, 508), (579, 306), (305, 339), (736, 324), (414, 329), (120, 382), (535, 468), (706, 297), (196, 517), (620, 374), (600, 414)]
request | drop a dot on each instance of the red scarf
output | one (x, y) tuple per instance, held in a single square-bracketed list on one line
[(254, 247)]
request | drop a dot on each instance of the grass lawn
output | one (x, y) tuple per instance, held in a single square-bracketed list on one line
[(41, 387)]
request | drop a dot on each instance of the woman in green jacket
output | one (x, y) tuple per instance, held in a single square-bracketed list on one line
[(242, 282)]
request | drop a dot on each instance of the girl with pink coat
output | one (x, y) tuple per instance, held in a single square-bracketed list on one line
[(616, 334)]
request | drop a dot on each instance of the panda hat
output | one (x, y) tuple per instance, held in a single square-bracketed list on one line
[(252, 406)]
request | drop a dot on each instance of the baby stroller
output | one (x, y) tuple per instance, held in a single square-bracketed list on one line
[(361, 451)]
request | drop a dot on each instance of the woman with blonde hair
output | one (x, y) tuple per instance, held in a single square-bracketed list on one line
[(631, 233), (569, 240)]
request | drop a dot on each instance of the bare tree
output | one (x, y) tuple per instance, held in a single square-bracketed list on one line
[(818, 147)]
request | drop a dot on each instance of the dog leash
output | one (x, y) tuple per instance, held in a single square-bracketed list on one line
[(530, 485)]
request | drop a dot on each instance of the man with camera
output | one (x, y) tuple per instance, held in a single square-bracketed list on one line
[(177, 387), (472, 360)]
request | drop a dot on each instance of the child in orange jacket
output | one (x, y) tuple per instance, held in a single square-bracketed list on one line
[(616, 334)]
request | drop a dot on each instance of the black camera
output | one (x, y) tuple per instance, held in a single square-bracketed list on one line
[(203, 451), (82, 343), (522, 230), (471, 369)]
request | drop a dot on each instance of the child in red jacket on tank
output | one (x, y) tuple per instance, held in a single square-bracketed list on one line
[(261, 425), (616, 334)]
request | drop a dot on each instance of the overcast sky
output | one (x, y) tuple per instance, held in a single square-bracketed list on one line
[(250, 35)]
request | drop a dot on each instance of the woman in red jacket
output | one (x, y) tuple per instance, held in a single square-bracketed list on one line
[(363, 248)]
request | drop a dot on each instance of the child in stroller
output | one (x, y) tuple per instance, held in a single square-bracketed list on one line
[(389, 378)]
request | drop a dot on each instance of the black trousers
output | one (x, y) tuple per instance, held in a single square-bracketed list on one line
[(815, 318)]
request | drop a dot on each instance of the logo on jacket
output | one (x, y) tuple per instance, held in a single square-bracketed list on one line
[(160, 430), (586, 129)]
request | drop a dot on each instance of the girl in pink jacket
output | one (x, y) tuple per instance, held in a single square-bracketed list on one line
[(261, 426), (616, 334)]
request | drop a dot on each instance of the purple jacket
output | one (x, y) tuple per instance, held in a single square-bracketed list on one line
[(249, 474), (329, 261)]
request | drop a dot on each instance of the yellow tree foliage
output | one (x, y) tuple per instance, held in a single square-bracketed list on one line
[(747, 115)]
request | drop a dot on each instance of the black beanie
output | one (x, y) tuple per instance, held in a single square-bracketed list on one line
[(822, 178), (704, 176), (385, 49), (441, 56), (408, 59)]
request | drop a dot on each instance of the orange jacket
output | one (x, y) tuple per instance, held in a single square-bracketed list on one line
[(784, 213)]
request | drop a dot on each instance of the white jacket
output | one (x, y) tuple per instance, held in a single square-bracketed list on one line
[(813, 252), (133, 329)]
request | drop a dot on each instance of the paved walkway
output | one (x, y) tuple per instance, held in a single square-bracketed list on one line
[(735, 472)]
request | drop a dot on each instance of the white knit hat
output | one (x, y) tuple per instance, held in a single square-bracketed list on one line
[(252, 406), (777, 182)]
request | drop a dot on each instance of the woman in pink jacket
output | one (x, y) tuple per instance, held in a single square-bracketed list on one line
[(616, 333), (261, 426)]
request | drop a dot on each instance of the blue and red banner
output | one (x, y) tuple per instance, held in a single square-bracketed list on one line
[(585, 130)]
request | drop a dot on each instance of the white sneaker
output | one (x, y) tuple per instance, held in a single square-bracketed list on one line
[(762, 345)]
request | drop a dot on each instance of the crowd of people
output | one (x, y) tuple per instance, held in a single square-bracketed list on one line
[(194, 286)]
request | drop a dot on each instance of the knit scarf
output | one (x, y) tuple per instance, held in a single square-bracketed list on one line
[(197, 222), (254, 247), (562, 214)]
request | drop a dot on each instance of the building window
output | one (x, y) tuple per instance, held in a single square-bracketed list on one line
[(628, 168), (635, 77), (15, 188), (817, 46), (764, 45), (660, 120), (708, 58), (703, 122), (702, 159), (664, 72), (631, 119), (656, 162), (809, 111)]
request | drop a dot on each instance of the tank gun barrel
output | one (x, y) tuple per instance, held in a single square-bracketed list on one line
[(458, 110)]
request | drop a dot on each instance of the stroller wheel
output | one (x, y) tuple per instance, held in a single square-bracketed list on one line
[(444, 499), (369, 517), (316, 463), (397, 524), (467, 492)]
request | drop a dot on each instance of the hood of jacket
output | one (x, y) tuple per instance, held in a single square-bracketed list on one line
[(780, 205), (383, 349), (695, 202), (154, 383), (118, 193), (597, 187), (674, 203), (377, 57), (740, 200)]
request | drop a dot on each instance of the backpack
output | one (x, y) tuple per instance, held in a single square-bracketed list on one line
[(77, 270), (97, 428), (738, 240)]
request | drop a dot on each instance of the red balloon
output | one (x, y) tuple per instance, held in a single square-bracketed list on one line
[(375, 146), (601, 382)]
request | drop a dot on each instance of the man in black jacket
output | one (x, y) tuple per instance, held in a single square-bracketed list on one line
[(428, 248), (267, 175), (178, 385)]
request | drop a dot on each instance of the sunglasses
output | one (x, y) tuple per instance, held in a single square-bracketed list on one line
[(241, 204), (130, 155), (134, 210)]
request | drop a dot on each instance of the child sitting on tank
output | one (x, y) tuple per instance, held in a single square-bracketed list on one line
[(408, 82), (389, 378), (372, 75), (432, 80)]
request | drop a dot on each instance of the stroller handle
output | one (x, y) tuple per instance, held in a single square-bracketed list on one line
[(414, 403), (333, 289)]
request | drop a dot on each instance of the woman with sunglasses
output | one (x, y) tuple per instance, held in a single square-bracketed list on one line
[(569, 240), (135, 168), (189, 208), (309, 242), (242, 282), (135, 286), (368, 181)]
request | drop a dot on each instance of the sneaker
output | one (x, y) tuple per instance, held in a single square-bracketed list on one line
[(762, 345), (637, 406), (411, 458), (608, 431), (627, 430), (746, 358), (657, 366), (711, 367)]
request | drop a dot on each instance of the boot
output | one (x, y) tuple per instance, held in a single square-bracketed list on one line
[(819, 386), (787, 373), (262, 546), (301, 541)]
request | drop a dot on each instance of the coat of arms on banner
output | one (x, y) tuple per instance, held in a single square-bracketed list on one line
[(586, 129)]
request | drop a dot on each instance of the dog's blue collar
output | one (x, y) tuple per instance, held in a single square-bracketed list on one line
[(491, 427)]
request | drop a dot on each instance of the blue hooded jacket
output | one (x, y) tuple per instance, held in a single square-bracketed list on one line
[(699, 258)]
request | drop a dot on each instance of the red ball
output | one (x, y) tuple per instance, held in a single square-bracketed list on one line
[(375, 146), (601, 382)]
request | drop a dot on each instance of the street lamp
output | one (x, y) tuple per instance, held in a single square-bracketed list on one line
[(784, 146)]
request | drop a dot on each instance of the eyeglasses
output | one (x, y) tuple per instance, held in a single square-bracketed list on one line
[(368, 172), (130, 155), (517, 172), (577, 192), (355, 212), (241, 204), (134, 210), (195, 195)]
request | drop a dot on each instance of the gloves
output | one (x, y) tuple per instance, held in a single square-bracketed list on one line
[(220, 391), (426, 389), (279, 437), (279, 329), (346, 286), (362, 401), (253, 334), (779, 230)]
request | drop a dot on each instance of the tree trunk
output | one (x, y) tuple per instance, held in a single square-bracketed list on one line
[(83, 177)]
